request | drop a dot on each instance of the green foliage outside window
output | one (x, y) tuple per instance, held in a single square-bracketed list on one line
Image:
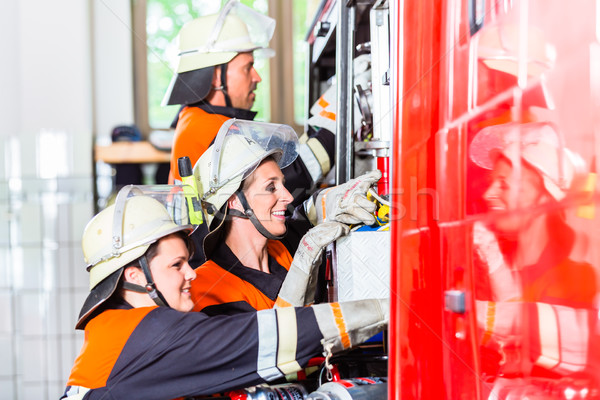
[(302, 16)]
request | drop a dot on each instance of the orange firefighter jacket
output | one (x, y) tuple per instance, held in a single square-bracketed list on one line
[(196, 129), (224, 286)]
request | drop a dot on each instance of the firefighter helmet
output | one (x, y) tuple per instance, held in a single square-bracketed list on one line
[(239, 148), (539, 145), (214, 40), (122, 232)]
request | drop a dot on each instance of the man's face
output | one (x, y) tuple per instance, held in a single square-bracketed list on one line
[(242, 80)]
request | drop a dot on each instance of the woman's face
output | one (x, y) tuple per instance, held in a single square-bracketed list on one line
[(268, 197), (172, 273)]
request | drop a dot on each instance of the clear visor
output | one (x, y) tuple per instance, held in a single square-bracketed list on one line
[(240, 146), (494, 140), (260, 30), (172, 197), (158, 210)]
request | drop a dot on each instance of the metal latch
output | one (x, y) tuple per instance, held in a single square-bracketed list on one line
[(322, 28), (385, 79), (455, 301)]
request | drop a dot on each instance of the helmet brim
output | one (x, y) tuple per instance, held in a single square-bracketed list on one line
[(189, 87), (98, 295)]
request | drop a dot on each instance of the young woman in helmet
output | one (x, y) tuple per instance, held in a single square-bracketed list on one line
[(252, 237), (531, 173), (524, 266), (139, 343)]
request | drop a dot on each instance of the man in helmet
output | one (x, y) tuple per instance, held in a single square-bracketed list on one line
[(215, 80), (523, 252), (140, 341), (251, 240)]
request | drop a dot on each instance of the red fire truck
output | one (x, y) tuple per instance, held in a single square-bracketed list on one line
[(484, 117)]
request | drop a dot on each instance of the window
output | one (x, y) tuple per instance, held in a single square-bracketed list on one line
[(302, 16)]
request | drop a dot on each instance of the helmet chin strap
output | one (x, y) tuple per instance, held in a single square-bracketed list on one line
[(249, 214), (223, 87), (150, 287)]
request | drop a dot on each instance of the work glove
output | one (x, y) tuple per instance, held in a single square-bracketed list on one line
[(346, 203), (298, 288), (347, 324), (505, 284)]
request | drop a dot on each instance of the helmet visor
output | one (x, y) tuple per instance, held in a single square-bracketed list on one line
[(260, 31), (141, 215), (240, 146), (172, 198)]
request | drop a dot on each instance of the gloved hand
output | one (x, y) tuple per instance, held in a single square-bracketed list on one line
[(346, 203), (298, 288), (347, 324), (505, 284)]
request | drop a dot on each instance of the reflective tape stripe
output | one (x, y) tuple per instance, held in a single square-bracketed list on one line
[(303, 138), (574, 334), (318, 121), (490, 318), (267, 345), (323, 204), (326, 322), (327, 114), (310, 162), (341, 324), (549, 340), (322, 102), (288, 340), (320, 154), (76, 392), (281, 303)]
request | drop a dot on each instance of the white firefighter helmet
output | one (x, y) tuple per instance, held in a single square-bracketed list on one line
[(239, 148), (536, 143), (122, 232), (214, 40)]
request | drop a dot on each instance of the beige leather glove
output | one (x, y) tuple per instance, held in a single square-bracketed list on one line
[(347, 324), (298, 288), (346, 203)]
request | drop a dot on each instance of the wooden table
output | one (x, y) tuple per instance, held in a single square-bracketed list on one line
[(130, 153)]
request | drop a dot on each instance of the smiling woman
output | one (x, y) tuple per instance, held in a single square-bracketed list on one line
[(252, 232), (168, 264), (269, 199)]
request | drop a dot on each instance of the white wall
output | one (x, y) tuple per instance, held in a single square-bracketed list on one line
[(65, 77), (9, 71), (113, 66)]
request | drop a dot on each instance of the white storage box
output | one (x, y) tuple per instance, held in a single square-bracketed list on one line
[(361, 269)]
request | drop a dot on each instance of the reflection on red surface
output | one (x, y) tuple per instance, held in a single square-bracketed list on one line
[(517, 234)]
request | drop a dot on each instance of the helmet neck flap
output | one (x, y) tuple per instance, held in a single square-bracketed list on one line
[(223, 87)]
